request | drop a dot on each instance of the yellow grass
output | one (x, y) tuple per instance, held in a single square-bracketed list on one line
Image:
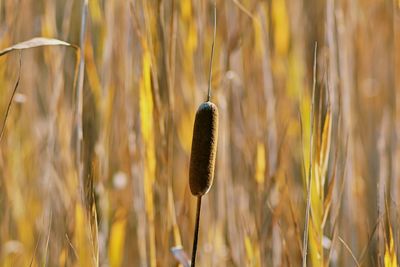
[(120, 195)]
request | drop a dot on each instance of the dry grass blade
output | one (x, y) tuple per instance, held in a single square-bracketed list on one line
[(364, 253), (71, 246), (325, 144), (32, 43), (307, 217), (349, 250), (339, 204), (99, 130), (295, 222), (243, 9), (329, 194), (11, 98), (35, 42), (390, 257), (46, 251), (34, 252), (79, 93)]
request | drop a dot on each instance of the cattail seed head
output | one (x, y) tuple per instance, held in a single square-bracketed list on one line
[(204, 149)]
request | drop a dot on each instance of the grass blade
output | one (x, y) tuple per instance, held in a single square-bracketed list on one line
[(35, 42)]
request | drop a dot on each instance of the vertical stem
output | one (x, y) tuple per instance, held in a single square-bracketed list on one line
[(12, 97), (79, 99), (212, 53), (196, 232), (306, 223)]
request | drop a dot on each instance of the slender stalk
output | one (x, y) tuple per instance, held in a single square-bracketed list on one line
[(12, 97), (197, 225), (306, 223), (79, 98), (196, 232), (212, 53)]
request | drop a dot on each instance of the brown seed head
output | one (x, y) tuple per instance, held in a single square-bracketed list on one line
[(204, 149)]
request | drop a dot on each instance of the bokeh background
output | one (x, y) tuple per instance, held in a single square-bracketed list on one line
[(119, 195)]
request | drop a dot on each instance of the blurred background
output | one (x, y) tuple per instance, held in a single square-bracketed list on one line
[(288, 133)]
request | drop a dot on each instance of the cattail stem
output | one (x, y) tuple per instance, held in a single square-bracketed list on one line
[(196, 232), (212, 53)]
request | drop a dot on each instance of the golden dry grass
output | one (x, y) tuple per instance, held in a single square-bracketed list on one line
[(98, 174)]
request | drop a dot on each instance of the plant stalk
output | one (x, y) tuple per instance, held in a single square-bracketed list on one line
[(196, 232)]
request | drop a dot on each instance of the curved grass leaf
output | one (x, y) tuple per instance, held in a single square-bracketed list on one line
[(35, 42)]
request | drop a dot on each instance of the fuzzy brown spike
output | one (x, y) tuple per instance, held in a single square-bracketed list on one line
[(204, 149)]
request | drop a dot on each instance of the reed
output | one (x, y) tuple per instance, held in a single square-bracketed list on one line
[(204, 149)]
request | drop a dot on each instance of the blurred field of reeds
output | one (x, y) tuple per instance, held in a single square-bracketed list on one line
[(146, 72)]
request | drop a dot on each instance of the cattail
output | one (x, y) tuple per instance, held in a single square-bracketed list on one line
[(204, 149)]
